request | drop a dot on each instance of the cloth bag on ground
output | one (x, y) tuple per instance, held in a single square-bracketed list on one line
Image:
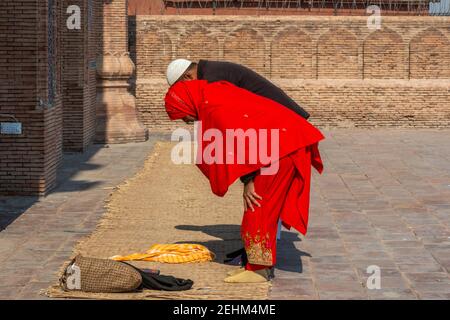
[(100, 275), (109, 276)]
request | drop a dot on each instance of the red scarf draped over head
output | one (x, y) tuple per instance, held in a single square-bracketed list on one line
[(183, 99), (222, 106)]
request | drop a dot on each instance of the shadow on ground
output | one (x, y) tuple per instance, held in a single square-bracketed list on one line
[(12, 207), (76, 173), (289, 258)]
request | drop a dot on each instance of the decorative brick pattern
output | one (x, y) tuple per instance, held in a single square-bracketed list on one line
[(385, 56), (430, 55), (197, 44), (337, 55), (246, 46), (297, 45), (330, 65)]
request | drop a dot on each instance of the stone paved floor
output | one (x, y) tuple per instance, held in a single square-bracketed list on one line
[(383, 200), (38, 235)]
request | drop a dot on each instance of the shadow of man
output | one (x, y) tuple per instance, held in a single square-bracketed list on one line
[(289, 258)]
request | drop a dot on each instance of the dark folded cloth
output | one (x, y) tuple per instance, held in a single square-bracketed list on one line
[(236, 258), (166, 283), (271, 273), (153, 281)]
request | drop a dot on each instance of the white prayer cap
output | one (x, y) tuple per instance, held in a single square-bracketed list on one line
[(176, 69)]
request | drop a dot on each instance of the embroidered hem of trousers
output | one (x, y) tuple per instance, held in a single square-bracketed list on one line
[(259, 228)]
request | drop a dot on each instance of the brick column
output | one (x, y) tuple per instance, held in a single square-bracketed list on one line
[(30, 92), (117, 119), (79, 50)]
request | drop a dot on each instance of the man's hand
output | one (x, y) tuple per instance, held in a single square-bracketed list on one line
[(250, 196)]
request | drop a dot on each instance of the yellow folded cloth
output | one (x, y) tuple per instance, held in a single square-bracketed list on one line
[(171, 253)]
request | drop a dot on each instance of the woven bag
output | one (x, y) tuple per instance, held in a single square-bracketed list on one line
[(99, 275)]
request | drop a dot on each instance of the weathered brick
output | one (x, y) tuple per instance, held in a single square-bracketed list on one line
[(342, 72)]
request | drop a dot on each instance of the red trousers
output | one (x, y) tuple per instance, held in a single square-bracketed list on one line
[(259, 228)]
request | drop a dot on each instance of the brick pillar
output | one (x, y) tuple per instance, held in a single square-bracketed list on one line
[(117, 118), (30, 92), (79, 49)]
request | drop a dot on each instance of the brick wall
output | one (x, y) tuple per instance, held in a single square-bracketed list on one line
[(28, 162), (80, 50), (351, 103), (342, 72)]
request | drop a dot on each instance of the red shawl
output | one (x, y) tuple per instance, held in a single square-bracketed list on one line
[(221, 106)]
